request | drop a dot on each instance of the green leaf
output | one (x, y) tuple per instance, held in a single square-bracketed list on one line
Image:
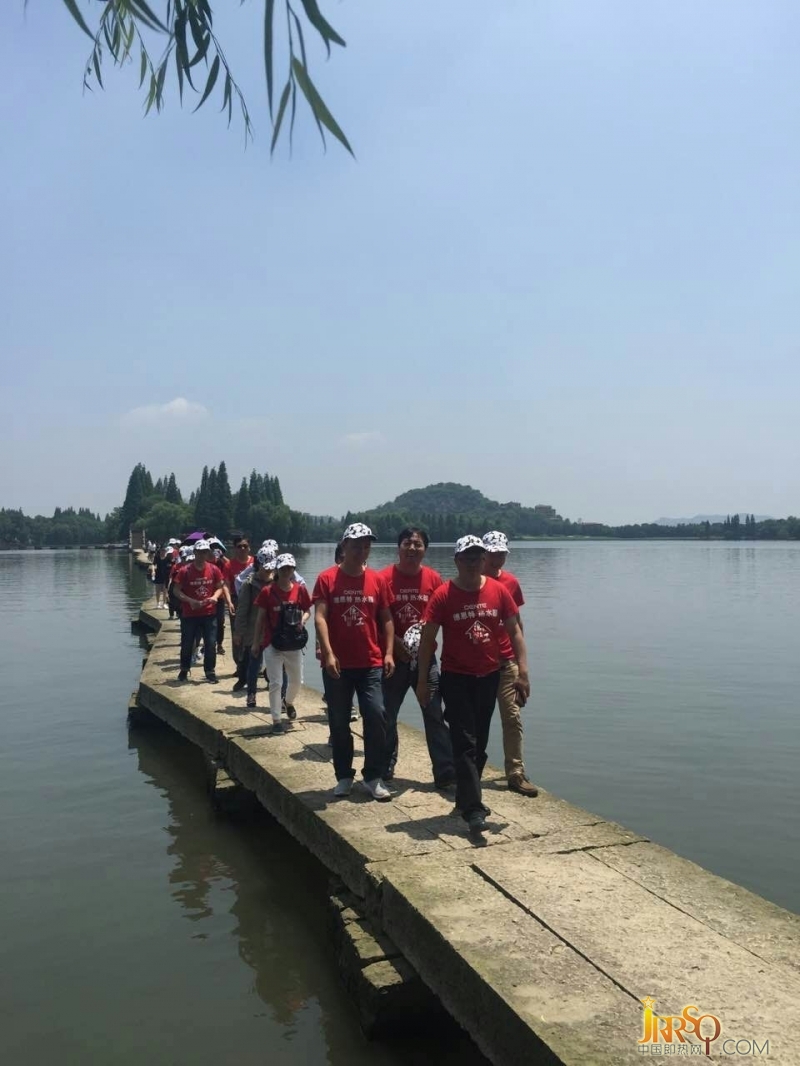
[(269, 11), (318, 105), (305, 65), (73, 9), (96, 65), (181, 50), (321, 25), (142, 68), (200, 35), (162, 73), (146, 15), (212, 78), (179, 69), (279, 117)]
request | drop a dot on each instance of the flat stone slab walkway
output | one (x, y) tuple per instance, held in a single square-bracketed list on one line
[(543, 942)]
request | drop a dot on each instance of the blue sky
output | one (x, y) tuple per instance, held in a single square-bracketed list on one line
[(564, 267)]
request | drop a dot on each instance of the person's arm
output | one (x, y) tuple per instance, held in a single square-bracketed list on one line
[(522, 684), (427, 643), (258, 632), (242, 616), (329, 660), (386, 620)]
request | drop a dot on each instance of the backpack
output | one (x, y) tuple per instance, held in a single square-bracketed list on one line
[(289, 633)]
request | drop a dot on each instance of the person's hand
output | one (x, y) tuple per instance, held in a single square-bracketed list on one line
[(255, 650), (237, 639), (423, 693), (388, 664), (522, 687), (332, 666), (231, 610)]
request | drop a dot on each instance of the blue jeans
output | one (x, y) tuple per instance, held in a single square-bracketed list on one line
[(437, 734), (205, 626), (366, 684)]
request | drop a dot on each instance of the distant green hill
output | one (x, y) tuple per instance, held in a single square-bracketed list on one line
[(448, 510), (446, 497)]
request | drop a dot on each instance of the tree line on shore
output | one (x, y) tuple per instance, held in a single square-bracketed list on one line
[(446, 511)]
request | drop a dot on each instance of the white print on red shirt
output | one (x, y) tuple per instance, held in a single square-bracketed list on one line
[(478, 633), (408, 615), (354, 616), (477, 610)]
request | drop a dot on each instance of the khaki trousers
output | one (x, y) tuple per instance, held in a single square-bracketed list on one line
[(510, 718)]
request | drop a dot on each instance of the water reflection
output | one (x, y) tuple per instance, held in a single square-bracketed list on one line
[(251, 880)]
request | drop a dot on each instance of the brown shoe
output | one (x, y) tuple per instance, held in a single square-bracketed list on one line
[(522, 785)]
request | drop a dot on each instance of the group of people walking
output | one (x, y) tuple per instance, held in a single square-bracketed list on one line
[(377, 638)]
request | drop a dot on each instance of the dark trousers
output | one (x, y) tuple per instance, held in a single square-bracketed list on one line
[(437, 734), (191, 630), (252, 667), (468, 708), (366, 684), (221, 606)]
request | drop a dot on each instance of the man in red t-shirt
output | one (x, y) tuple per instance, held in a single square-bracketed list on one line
[(473, 612), (198, 586), (412, 585), (351, 604), (496, 544)]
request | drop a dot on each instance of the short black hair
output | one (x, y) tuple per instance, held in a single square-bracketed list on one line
[(409, 531), (338, 554)]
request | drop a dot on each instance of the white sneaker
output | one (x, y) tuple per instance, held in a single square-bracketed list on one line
[(343, 787), (378, 790)]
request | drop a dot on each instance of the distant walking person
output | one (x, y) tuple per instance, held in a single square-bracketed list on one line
[(351, 603), (412, 586), (198, 586), (244, 624), (283, 610), (163, 565), (473, 612), (496, 545)]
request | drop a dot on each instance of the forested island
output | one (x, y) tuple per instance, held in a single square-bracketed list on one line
[(446, 510)]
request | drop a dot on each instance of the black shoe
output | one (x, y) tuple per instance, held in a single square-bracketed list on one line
[(239, 686), (212, 678), (291, 712), (183, 675), (476, 822), (445, 783), (220, 649), (278, 727)]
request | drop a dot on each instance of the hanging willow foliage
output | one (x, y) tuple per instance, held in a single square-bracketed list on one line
[(183, 29)]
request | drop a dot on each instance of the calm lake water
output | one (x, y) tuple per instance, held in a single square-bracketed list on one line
[(138, 926)]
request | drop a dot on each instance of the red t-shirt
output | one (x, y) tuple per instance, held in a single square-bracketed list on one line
[(233, 568), (271, 597), (512, 586), (199, 584), (353, 604), (472, 625), (411, 595)]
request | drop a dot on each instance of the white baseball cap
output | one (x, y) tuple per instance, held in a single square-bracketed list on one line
[(202, 546), (285, 560), (271, 546), (266, 558), (463, 544), (495, 541), (357, 530)]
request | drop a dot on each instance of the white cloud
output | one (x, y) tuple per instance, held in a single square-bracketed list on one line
[(362, 440), (177, 410)]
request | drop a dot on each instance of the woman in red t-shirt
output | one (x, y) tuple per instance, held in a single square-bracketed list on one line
[(283, 610)]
